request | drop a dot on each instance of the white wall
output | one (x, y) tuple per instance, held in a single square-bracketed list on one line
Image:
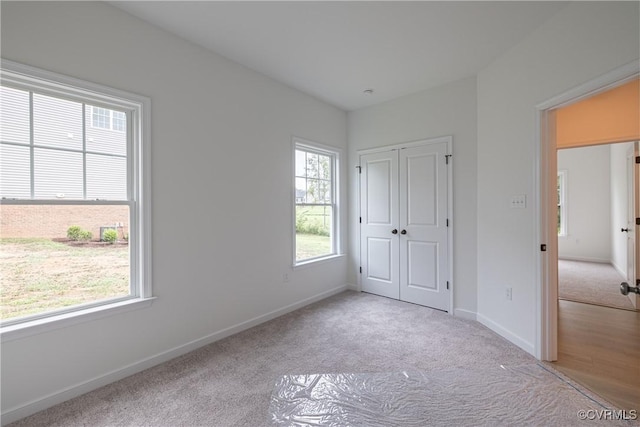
[(579, 43), (619, 205), (447, 110), (588, 196), (222, 216)]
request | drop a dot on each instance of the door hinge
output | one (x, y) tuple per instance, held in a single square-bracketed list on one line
[(359, 169), (637, 159), (360, 220), (447, 157), (637, 221), (447, 222), (360, 270), (543, 248), (447, 285)]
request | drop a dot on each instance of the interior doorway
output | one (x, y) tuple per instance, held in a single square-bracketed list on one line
[(596, 224), (596, 345)]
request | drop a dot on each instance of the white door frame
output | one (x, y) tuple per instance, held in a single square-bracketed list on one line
[(438, 140), (546, 347)]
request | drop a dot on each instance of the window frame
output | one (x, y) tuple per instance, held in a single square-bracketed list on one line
[(334, 153), (138, 112), (562, 202)]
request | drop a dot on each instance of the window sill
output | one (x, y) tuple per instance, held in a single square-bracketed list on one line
[(38, 326), (311, 262)]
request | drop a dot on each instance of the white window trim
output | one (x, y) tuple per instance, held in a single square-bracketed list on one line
[(563, 202), (25, 77), (335, 153)]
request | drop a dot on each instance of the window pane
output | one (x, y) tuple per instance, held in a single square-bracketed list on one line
[(119, 121), (15, 178), (313, 231), (14, 117), (106, 177), (43, 270), (57, 122), (301, 169), (312, 165), (324, 167), (57, 174), (301, 190), (105, 140)]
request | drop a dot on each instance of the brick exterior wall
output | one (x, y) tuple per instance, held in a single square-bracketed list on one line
[(53, 221)]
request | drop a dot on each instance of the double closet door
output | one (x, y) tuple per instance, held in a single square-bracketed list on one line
[(404, 223)]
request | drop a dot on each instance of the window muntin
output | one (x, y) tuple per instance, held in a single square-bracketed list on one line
[(53, 160), (315, 203), (562, 205)]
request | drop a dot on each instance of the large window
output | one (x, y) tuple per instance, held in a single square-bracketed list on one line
[(562, 203), (74, 189), (315, 202)]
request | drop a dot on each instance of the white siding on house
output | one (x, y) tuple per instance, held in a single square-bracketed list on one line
[(70, 161), (57, 174), (106, 177), (56, 122), (105, 141), (14, 125), (15, 177)]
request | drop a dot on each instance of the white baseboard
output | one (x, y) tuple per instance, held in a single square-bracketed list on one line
[(622, 272), (465, 314), (505, 333), (14, 414), (585, 259), (353, 287)]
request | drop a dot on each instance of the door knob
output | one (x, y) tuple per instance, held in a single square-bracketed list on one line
[(403, 232), (624, 230), (625, 289), (394, 231)]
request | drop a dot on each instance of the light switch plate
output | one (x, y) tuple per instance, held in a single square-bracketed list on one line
[(519, 201)]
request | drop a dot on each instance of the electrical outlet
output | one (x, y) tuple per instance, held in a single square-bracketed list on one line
[(285, 277), (509, 294), (519, 201)]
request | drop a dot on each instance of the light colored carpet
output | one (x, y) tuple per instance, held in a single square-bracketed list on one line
[(591, 283), (230, 382)]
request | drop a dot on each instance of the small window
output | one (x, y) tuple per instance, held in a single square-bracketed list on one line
[(101, 118), (75, 198), (562, 203), (315, 202), (104, 118)]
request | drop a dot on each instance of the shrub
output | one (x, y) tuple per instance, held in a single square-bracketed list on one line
[(85, 235), (110, 236), (74, 232)]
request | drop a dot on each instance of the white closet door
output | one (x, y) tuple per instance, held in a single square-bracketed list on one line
[(423, 226), (379, 219)]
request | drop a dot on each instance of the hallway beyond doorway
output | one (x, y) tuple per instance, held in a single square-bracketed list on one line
[(600, 348)]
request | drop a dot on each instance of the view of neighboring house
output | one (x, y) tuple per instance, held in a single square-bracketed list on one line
[(59, 149)]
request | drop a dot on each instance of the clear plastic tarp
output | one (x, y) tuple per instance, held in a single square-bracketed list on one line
[(522, 395)]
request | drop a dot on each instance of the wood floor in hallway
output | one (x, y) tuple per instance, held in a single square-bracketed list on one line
[(599, 347)]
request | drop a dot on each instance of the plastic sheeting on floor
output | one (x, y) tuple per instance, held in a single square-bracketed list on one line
[(522, 395)]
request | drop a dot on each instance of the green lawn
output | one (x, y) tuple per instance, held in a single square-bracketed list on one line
[(41, 275), (311, 246)]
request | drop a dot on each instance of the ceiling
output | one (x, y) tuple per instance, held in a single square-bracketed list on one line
[(336, 50)]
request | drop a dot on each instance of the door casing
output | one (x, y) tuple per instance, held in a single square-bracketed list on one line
[(545, 167)]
